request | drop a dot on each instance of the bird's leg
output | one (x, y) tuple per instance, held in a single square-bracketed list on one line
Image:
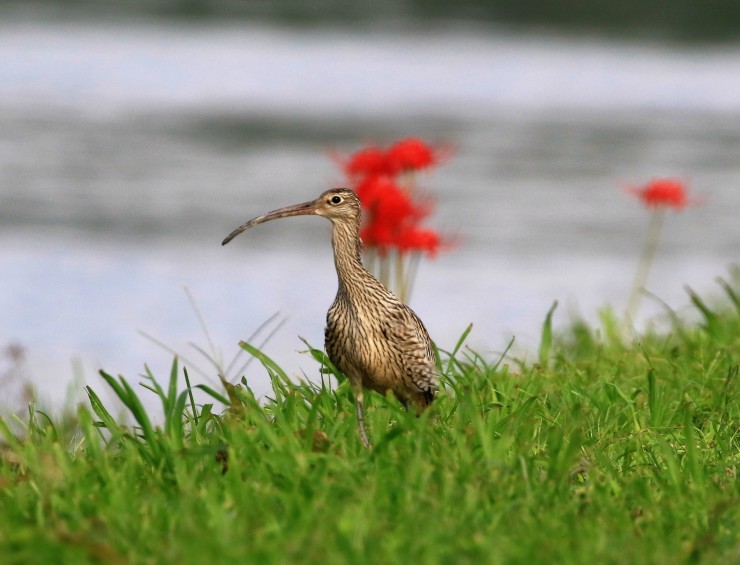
[(359, 397)]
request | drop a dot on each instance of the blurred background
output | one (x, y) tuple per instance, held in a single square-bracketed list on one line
[(134, 137)]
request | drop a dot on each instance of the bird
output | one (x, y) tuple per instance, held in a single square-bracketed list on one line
[(371, 336)]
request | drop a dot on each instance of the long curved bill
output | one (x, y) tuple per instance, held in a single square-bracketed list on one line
[(305, 208)]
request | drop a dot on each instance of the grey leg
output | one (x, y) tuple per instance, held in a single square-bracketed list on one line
[(361, 417)]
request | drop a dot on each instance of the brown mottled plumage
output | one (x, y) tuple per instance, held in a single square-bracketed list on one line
[(378, 342)]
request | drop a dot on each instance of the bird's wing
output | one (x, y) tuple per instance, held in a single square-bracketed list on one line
[(408, 336)]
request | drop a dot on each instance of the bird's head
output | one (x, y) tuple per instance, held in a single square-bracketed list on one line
[(336, 204)]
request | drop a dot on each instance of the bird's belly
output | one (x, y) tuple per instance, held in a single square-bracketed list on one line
[(379, 378), (375, 372), (363, 356)]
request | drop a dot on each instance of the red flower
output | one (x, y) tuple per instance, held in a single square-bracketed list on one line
[(372, 188), (663, 192), (393, 206), (388, 209), (367, 162), (393, 222), (392, 216), (419, 239), (411, 153)]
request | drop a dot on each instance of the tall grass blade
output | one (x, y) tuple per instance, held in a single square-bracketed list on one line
[(652, 398), (546, 340), (728, 393), (174, 353), (7, 434), (504, 353), (127, 395), (117, 388), (251, 338), (190, 394), (323, 359), (211, 392), (133, 403), (268, 363), (461, 339), (101, 412), (176, 431), (172, 389), (156, 389), (456, 349), (711, 319), (694, 465), (731, 294), (204, 328)]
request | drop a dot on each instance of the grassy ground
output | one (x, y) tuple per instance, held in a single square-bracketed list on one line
[(605, 449)]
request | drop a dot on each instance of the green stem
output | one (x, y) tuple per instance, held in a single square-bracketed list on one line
[(383, 269), (411, 270), (401, 278), (646, 260)]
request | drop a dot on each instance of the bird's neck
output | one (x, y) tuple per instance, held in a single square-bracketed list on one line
[(347, 257)]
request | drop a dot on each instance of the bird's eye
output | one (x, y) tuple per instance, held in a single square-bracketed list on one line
[(336, 199)]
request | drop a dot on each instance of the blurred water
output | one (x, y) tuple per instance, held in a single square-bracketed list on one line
[(128, 152)]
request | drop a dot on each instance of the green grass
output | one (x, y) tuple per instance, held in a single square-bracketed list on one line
[(604, 450)]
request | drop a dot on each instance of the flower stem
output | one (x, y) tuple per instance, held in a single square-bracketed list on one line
[(383, 270), (402, 280), (411, 270), (643, 267)]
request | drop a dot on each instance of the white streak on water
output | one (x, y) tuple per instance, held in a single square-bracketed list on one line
[(109, 69)]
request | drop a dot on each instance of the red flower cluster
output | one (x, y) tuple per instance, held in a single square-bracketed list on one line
[(663, 192), (392, 216), (410, 154)]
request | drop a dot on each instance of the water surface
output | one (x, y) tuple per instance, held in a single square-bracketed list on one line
[(127, 153)]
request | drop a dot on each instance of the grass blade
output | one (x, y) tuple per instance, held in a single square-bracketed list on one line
[(190, 395), (101, 412), (172, 389), (546, 340), (652, 398), (712, 322), (458, 346), (323, 359), (211, 392), (731, 294), (268, 363), (137, 410)]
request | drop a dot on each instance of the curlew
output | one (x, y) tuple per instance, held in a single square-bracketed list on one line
[(378, 342)]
